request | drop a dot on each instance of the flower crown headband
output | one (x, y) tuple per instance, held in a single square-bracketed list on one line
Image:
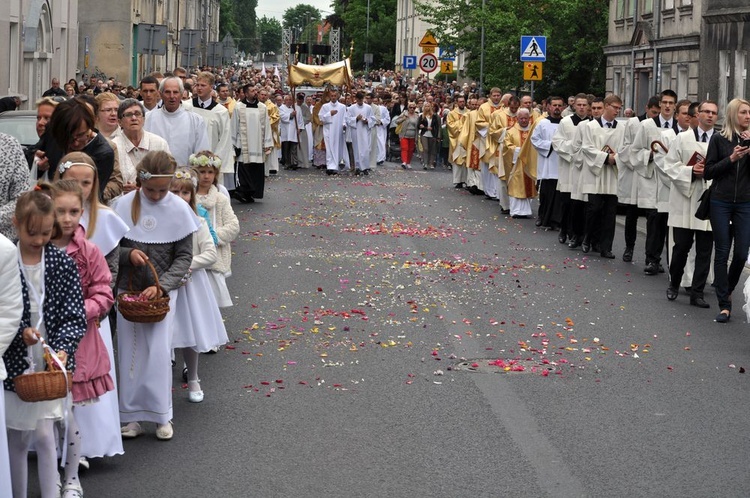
[(214, 162), (69, 164), (185, 175), (145, 175)]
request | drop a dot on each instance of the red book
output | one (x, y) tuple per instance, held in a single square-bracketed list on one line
[(695, 159), (608, 149)]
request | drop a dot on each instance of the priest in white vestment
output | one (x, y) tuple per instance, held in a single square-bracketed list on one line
[(254, 139), (360, 120), (333, 117)]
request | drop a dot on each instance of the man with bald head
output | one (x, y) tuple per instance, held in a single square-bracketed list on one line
[(55, 90)]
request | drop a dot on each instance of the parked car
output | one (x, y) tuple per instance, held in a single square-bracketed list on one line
[(21, 125)]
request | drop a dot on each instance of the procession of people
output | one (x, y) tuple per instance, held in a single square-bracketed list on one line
[(133, 188)]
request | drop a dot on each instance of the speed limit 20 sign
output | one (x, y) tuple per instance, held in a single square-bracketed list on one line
[(428, 63)]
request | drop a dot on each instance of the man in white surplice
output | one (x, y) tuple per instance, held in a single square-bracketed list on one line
[(184, 131), (360, 119), (252, 134), (218, 124), (333, 116)]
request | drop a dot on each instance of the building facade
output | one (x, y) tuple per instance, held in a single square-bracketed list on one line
[(42, 43), (678, 44), (109, 37)]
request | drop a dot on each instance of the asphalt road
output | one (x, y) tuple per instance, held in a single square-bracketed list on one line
[(362, 304)]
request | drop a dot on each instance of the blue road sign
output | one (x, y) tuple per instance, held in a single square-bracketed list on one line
[(534, 48), (410, 62), (447, 53)]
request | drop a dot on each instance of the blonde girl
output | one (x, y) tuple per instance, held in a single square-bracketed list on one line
[(92, 378), (224, 221), (53, 309), (161, 232), (99, 423), (198, 326)]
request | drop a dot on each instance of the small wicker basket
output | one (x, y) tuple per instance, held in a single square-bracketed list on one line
[(44, 386), (151, 311)]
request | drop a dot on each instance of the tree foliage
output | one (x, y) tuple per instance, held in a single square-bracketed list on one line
[(227, 22), (269, 31), (244, 13), (379, 40), (575, 31), (300, 16)]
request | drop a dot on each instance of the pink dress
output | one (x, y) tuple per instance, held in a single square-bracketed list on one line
[(91, 378)]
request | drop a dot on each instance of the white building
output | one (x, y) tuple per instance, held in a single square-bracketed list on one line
[(42, 43)]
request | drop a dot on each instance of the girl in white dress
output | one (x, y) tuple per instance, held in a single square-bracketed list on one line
[(99, 423), (52, 308), (198, 324), (161, 232), (224, 221)]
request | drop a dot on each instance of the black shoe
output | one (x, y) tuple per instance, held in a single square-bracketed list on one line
[(607, 254), (538, 222), (330, 172), (672, 293), (507, 211), (366, 172), (699, 302), (651, 269), (689, 290), (575, 242), (516, 216), (184, 374), (722, 317), (458, 185), (661, 268), (562, 238), (627, 256), (586, 245)]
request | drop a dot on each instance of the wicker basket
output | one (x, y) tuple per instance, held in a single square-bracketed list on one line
[(151, 311), (44, 386)]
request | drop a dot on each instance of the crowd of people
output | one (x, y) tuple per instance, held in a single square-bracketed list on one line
[(128, 189), (109, 204)]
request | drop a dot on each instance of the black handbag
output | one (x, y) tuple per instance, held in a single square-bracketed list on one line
[(704, 205)]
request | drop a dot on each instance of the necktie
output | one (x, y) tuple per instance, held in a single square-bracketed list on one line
[(609, 125), (203, 106), (666, 124), (704, 138)]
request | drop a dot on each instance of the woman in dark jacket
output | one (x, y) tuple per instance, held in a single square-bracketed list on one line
[(429, 132), (728, 166)]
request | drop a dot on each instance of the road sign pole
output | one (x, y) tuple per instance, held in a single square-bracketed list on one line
[(532, 91)]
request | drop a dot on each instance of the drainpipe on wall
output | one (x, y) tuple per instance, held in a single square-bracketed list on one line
[(657, 56), (632, 61)]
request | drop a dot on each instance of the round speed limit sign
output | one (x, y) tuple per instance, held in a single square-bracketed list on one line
[(428, 63)]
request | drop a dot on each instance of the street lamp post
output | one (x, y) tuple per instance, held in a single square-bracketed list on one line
[(367, 39)]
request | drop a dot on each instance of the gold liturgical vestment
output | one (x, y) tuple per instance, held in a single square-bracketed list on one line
[(522, 175)]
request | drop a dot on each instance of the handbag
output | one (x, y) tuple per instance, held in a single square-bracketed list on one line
[(704, 205)]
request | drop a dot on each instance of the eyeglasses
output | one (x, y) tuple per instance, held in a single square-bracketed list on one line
[(135, 114), (84, 135), (108, 111), (617, 108)]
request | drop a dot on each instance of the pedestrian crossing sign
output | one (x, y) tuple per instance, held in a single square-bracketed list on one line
[(533, 48)]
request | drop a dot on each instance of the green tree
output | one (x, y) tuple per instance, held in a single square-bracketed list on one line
[(379, 39), (574, 63), (244, 12), (269, 31), (227, 22)]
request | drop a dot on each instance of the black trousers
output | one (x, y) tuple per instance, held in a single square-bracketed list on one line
[(576, 219), (561, 212), (252, 180), (656, 235), (601, 216), (631, 225), (683, 241), (547, 194), (289, 154)]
